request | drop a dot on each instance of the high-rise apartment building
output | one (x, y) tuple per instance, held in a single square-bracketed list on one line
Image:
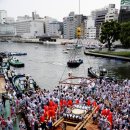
[(102, 15), (90, 29), (51, 26), (112, 13), (124, 15), (70, 24)]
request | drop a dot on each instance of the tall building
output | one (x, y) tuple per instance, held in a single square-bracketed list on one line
[(70, 24), (10, 20), (51, 27), (102, 15), (99, 19), (3, 16), (124, 15), (112, 13), (54, 29), (30, 28), (90, 29), (7, 30)]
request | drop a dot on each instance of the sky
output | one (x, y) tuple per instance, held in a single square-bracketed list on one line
[(53, 8)]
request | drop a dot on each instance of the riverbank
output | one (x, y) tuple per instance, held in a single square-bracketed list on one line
[(119, 55)]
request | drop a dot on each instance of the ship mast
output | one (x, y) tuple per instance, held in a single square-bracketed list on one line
[(79, 7), (78, 29)]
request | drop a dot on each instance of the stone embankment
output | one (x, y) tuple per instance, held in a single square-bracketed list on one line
[(107, 56)]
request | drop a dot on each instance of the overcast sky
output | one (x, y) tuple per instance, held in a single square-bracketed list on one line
[(53, 8)]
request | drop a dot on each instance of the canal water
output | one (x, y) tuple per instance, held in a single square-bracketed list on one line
[(47, 64)]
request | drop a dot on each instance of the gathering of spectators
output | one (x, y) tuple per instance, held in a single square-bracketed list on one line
[(40, 108)]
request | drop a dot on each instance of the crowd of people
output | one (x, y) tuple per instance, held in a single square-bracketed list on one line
[(41, 108)]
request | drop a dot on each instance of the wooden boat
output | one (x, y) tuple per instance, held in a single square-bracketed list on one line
[(15, 62), (74, 63), (102, 72)]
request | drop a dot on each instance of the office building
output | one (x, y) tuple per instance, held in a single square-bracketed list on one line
[(90, 29), (124, 14), (70, 23), (3, 16)]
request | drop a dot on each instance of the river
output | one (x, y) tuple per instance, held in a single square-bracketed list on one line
[(47, 63)]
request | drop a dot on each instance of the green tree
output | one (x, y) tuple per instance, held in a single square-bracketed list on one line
[(110, 32), (125, 34)]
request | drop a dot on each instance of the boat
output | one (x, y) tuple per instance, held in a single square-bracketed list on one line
[(74, 63), (16, 53), (23, 83), (74, 60), (5, 65), (51, 42), (15, 82), (15, 62), (65, 51), (102, 72), (78, 46), (92, 46)]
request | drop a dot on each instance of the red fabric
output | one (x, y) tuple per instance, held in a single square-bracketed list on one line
[(103, 112), (3, 122), (109, 118), (46, 113), (70, 103), (77, 101), (88, 102), (61, 103), (65, 102), (51, 103), (94, 104), (56, 106), (51, 113), (107, 112), (46, 108)]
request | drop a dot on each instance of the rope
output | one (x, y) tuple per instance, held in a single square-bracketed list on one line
[(63, 73)]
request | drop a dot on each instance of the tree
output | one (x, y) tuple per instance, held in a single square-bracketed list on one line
[(110, 32), (125, 34)]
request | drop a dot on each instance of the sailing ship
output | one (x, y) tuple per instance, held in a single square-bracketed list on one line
[(74, 62)]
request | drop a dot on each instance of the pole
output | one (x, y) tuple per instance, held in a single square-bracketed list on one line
[(79, 7)]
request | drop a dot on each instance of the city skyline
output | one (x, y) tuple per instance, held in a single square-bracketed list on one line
[(53, 8)]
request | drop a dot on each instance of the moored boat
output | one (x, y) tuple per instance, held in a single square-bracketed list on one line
[(65, 51), (102, 72), (74, 63), (5, 64), (15, 62), (78, 46), (17, 53), (23, 83)]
